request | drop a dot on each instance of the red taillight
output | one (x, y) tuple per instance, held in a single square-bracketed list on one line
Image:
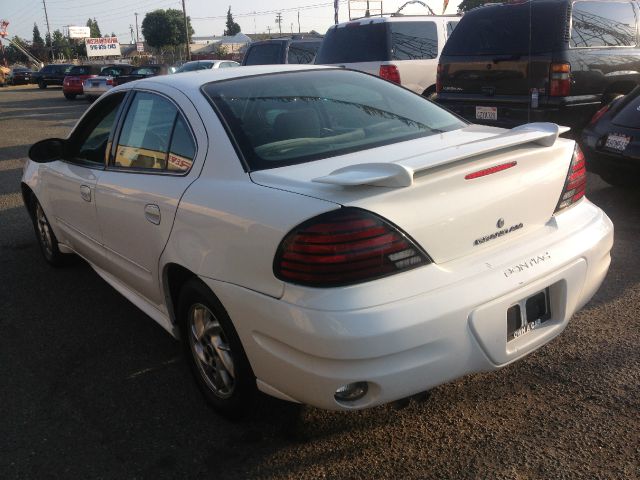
[(599, 114), (439, 78), (576, 183), (109, 81), (560, 79), (390, 72), (344, 247)]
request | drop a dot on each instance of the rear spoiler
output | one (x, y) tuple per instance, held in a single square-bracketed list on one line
[(400, 173)]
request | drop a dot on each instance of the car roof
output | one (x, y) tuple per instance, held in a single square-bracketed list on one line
[(404, 18), (192, 81), (287, 40)]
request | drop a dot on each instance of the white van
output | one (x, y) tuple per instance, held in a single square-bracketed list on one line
[(403, 49)]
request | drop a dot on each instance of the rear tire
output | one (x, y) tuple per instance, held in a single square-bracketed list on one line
[(46, 238), (70, 96), (41, 84), (214, 351)]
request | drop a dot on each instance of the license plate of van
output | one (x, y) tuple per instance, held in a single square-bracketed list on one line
[(486, 113), (617, 141)]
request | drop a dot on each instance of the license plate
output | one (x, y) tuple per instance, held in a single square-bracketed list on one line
[(527, 315), (96, 84), (486, 113), (617, 141)]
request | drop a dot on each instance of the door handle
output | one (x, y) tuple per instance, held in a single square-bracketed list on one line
[(152, 213), (85, 193)]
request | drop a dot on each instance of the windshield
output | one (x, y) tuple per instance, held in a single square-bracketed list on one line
[(82, 70), (289, 118)]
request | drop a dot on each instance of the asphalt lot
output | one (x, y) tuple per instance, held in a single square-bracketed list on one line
[(90, 387)]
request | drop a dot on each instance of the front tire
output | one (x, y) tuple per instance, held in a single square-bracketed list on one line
[(214, 351), (41, 84), (46, 238)]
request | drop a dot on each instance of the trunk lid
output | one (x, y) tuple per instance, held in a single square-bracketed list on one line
[(449, 215)]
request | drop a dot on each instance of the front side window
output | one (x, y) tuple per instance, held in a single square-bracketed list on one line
[(603, 24), (291, 118), (266, 54), (90, 141), (414, 40), (154, 136)]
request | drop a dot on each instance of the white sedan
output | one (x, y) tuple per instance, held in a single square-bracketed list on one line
[(319, 234)]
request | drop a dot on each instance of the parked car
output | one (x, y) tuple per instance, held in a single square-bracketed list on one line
[(544, 60), (611, 141), (297, 49), (320, 234), (19, 76), (139, 73), (93, 87), (52, 74), (73, 82), (403, 50), (206, 65)]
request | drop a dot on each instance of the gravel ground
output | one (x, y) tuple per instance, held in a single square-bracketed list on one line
[(92, 388)]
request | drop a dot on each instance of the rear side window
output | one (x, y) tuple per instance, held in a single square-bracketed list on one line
[(154, 136), (82, 70), (504, 30), (266, 54), (302, 52), (603, 24), (355, 43), (450, 27), (414, 40)]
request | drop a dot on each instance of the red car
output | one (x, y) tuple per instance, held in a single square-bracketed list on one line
[(72, 84)]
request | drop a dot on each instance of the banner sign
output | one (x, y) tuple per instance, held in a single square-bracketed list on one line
[(103, 47), (140, 46), (79, 32)]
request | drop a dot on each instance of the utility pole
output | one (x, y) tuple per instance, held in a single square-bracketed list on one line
[(298, 21), (131, 30), (186, 31), (137, 35), (46, 17), (278, 21), (269, 29)]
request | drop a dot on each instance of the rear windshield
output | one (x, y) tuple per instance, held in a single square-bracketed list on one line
[(355, 43), (296, 117), (192, 66), (302, 52), (83, 70), (629, 116), (505, 30), (265, 54)]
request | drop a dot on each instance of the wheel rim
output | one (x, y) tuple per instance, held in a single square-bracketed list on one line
[(211, 351), (44, 232)]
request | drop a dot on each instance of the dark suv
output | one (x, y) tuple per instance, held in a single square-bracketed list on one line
[(52, 74), (282, 50), (543, 60)]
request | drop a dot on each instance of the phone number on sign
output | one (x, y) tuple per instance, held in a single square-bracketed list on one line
[(102, 47)]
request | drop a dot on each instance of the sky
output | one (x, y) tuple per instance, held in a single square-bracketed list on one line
[(207, 17)]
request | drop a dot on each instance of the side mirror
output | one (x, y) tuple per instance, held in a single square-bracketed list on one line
[(48, 150)]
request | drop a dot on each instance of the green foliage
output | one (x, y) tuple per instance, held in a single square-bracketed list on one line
[(467, 5), (94, 29), (165, 28), (37, 38), (61, 45), (232, 27)]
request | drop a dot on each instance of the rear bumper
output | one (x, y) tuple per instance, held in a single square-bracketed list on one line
[(602, 162), (511, 114), (73, 89), (90, 90), (307, 344)]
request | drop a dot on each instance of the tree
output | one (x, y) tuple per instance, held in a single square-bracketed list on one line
[(165, 28), (61, 44), (94, 29), (467, 5), (232, 27), (37, 38)]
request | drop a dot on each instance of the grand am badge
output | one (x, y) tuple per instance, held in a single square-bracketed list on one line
[(498, 234)]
